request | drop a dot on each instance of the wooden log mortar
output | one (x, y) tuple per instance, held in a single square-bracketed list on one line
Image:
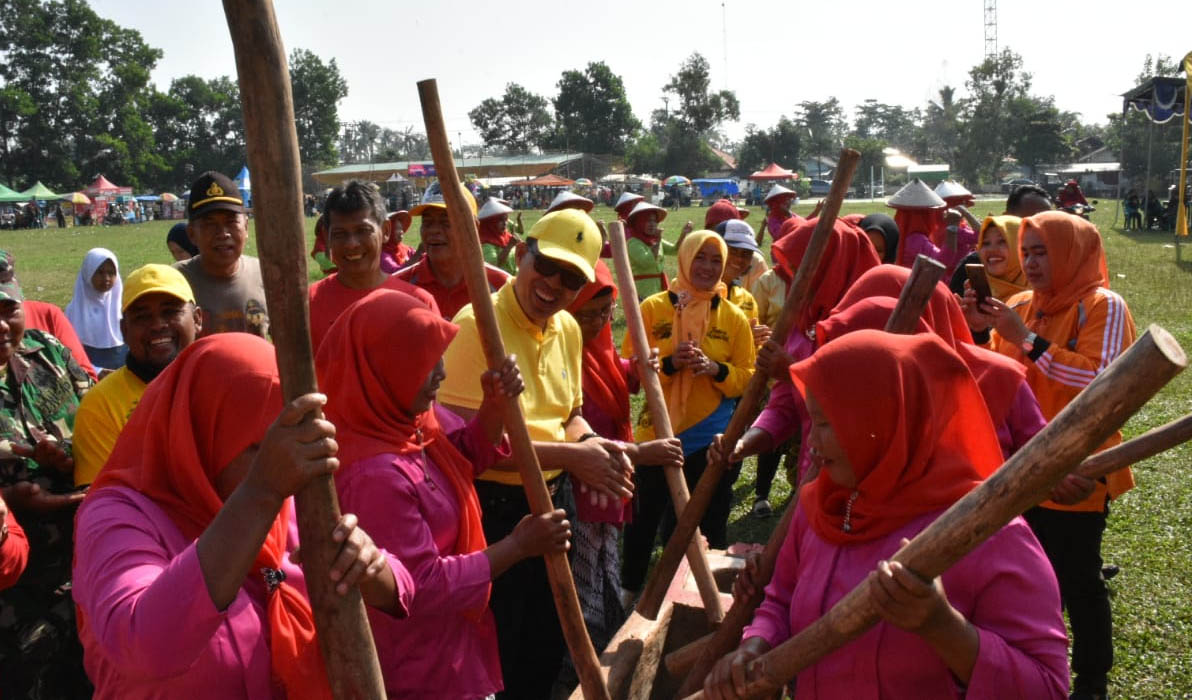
[(749, 404), (345, 638), (912, 300), (697, 556), (466, 241), (1084, 424)]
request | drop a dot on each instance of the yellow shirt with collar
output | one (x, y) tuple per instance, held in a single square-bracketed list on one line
[(549, 360), (769, 291), (101, 416), (728, 340), (744, 300)]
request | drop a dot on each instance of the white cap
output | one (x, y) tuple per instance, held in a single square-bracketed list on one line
[(738, 234), (493, 207), (626, 198), (916, 195), (778, 191), (951, 188), (567, 197), (646, 206)]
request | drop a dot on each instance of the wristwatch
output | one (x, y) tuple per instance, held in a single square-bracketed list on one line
[(1028, 343)]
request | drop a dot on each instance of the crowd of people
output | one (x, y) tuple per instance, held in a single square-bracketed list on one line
[(149, 545)]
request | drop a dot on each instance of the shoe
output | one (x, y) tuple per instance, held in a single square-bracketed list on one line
[(1109, 571), (1088, 695), (762, 508)]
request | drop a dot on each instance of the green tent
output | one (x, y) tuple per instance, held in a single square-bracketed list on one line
[(7, 195), (39, 192)]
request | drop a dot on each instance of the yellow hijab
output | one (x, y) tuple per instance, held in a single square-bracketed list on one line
[(1014, 280), (692, 311)]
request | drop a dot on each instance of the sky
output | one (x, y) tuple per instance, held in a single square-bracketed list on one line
[(773, 55)]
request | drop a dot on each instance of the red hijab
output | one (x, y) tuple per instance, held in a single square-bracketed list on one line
[(493, 230), (637, 227), (721, 210), (214, 401), (871, 301), (374, 391), (847, 255), (911, 221), (910, 418), (604, 378)]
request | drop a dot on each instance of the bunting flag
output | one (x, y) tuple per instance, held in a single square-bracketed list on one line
[(1181, 225)]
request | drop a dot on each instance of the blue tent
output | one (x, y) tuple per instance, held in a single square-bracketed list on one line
[(244, 182), (710, 186)]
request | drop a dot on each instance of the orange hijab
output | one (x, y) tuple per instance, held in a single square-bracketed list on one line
[(1078, 268), (692, 311), (374, 390), (1014, 281), (847, 256), (604, 378), (214, 401), (911, 420)]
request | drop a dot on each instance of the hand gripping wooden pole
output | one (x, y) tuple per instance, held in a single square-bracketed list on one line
[(748, 406), (343, 631), (697, 556), (466, 241), (1084, 424), (920, 284)]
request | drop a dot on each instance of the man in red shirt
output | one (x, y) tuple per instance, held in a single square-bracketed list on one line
[(440, 270)]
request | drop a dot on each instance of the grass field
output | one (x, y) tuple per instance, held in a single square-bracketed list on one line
[(1150, 531)]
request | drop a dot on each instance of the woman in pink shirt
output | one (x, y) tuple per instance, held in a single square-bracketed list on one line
[(900, 432), (185, 553), (408, 471)]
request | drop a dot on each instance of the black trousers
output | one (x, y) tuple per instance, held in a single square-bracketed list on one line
[(1072, 541), (652, 511), (529, 637), (767, 469)]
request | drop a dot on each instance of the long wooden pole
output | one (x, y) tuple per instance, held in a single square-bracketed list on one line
[(697, 556), (466, 241), (1084, 424), (748, 406), (925, 274), (1136, 449), (345, 638)]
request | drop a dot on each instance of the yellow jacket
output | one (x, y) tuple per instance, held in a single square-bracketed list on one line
[(769, 291), (728, 341)]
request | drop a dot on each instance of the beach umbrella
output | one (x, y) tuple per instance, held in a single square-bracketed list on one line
[(76, 198), (168, 197), (676, 180), (583, 182)]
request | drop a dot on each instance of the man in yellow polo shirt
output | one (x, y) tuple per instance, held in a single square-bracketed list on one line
[(555, 261), (159, 319)]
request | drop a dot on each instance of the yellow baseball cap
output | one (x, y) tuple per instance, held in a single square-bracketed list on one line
[(434, 200), (155, 278), (569, 236)]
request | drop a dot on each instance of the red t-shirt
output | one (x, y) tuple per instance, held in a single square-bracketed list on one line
[(450, 299), (329, 298)]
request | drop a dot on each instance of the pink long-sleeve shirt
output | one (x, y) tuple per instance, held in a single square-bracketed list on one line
[(1005, 588), (447, 646), (785, 410), (918, 243), (147, 623), (1022, 422)]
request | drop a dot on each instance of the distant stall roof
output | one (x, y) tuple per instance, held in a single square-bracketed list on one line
[(544, 181), (524, 166)]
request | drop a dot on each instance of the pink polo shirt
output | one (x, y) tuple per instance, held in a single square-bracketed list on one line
[(1005, 588), (146, 621)]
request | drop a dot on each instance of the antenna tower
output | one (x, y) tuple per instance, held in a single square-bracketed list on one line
[(990, 28)]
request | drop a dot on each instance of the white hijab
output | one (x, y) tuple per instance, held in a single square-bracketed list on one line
[(95, 316)]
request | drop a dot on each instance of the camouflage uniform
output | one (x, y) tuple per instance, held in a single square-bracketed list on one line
[(40, 655)]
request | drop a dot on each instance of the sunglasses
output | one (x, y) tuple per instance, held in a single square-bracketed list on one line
[(546, 267)]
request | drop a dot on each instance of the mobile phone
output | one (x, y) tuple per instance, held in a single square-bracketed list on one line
[(979, 281)]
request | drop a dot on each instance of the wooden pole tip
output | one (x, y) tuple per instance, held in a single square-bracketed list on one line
[(1168, 345)]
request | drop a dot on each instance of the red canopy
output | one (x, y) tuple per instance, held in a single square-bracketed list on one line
[(774, 171), (551, 180), (103, 186)]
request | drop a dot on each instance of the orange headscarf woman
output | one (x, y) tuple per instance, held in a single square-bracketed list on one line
[(182, 572), (1066, 330), (900, 433), (707, 356), (997, 246), (407, 473)]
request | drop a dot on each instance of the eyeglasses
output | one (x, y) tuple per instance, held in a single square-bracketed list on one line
[(546, 267), (598, 315)]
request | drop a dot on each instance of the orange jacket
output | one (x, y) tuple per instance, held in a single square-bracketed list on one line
[(1104, 328)]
